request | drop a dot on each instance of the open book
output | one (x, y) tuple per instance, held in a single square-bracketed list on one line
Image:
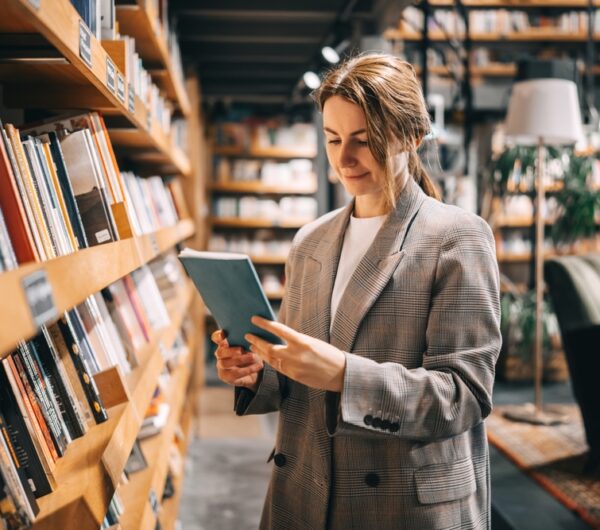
[(230, 288)]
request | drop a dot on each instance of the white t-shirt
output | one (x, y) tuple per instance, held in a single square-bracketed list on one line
[(359, 235)]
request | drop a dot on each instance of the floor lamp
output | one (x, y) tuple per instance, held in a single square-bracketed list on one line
[(541, 112)]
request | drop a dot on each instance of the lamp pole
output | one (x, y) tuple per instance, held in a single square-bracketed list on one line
[(539, 276)]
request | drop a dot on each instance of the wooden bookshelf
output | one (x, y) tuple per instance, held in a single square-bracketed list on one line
[(236, 222), (75, 277), (170, 507), (262, 152), (136, 493), (258, 187), (490, 70), (88, 474), (64, 79), (141, 22)]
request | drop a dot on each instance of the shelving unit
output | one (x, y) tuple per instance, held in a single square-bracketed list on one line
[(89, 472), (47, 82), (75, 277), (136, 494), (236, 222), (59, 65), (141, 22)]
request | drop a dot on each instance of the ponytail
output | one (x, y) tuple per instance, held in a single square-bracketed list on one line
[(421, 176)]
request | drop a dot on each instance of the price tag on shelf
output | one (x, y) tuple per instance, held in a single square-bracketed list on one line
[(130, 98), (35, 3), (85, 43), (153, 501), (121, 88), (38, 293), (149, 120), (110, 75)]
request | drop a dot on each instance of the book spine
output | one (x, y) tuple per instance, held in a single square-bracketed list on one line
[(50, 413), (16, 432), (57, 385), (85, 376), (19, 372), (67, 364), (67, 190), (14, 481), (46, 457)]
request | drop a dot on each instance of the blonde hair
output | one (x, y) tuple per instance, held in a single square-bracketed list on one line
[(388, 92)]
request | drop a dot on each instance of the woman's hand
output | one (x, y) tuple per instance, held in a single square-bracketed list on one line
[(305, 359), (234, 365)]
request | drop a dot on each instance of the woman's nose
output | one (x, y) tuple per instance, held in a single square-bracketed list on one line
[(347, 158)]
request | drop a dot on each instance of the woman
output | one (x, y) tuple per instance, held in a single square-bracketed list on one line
[(391, 330)]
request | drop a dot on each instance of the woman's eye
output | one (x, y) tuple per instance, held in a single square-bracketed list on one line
[(362, 142), (333, 141)]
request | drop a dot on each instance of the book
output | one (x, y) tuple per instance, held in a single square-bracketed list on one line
[(231, 289), (23, 450)]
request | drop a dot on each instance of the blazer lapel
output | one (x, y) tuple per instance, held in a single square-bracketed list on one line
[(323, 263), (375, 269)]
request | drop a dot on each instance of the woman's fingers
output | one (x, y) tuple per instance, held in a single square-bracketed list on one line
[(225, 352), (218, 336), (233, 374), (238, 361)]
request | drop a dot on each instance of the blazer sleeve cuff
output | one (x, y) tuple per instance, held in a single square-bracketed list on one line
[(266, 399), (350, 412)]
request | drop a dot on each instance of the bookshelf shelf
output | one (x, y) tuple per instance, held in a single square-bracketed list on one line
[(236, 222), (533, 35), (262, 152), (268, 260), (88, 473), (260, 188), (521, 4), (135, 494), (142, 23), (75, 277), (60, 68), (275, 294)]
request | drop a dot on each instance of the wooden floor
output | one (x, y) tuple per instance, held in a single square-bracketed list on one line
[(217, 419)]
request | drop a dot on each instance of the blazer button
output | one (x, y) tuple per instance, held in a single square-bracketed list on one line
[(279, 460), (368, 419), (395, 427), (386, 424), (372, 480), (377, 423)]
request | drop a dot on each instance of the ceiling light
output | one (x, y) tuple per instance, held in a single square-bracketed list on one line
[(311, 80), (330, 55)]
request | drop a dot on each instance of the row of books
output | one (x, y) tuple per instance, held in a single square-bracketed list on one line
[(100, 16), (258, 243), (299, 136), (48, 395), (250, 207), (297, 172), (500, 21), (61, 190)]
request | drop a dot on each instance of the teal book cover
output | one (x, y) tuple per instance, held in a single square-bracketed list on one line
[(231, 290)]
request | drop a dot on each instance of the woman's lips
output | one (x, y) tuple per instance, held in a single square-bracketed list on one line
[(356, 176)]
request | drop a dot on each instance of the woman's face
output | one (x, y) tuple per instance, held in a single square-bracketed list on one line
[(345, 128)]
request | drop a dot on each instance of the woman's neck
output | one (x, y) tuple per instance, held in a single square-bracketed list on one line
[(369, 206)]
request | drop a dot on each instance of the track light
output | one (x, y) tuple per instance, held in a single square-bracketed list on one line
[(311, 80), (330, 55)]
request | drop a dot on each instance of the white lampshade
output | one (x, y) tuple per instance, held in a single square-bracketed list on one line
[(546, 109)]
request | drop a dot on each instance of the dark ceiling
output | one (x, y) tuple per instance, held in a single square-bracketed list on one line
[(257, 50)]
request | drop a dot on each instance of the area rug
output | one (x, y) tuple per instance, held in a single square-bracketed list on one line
[(552, 455)]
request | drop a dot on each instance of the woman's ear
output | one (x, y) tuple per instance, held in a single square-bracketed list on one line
[(418, 141)]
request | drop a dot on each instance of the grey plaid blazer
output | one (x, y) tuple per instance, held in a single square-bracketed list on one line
[(403, 446)]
